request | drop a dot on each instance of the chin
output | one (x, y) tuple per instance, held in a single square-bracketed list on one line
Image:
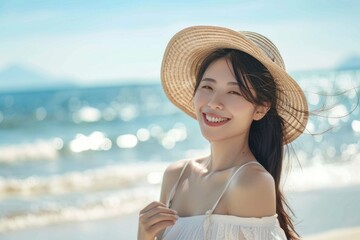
[(218, 136), (212, 137)]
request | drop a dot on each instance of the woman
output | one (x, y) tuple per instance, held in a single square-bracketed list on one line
[(248, 108)]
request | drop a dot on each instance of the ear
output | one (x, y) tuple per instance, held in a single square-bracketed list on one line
[(261, 110)]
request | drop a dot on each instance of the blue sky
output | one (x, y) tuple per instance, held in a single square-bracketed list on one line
[(109, 41)]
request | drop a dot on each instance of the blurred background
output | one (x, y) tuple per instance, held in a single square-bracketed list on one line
[(86, 131)]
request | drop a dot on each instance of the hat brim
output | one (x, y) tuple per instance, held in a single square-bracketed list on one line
[(187, 50)]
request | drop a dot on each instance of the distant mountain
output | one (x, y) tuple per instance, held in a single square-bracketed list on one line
[(350, 63), (20, 78)]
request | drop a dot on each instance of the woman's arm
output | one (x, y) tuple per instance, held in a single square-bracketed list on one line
[(156, 217)]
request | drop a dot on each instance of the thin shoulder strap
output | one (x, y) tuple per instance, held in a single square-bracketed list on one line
[(173, 190), (227, 185)]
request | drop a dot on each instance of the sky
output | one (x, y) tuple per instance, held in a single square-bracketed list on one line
[(112, 41)]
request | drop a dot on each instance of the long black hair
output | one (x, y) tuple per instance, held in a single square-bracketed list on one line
[(266, 139)]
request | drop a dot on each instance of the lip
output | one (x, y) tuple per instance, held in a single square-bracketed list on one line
[(214, 124)]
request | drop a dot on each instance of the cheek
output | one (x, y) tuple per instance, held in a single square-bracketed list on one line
[(199, 100), (241, 108), (196, 105)]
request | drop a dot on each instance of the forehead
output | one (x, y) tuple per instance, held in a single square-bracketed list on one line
[(220, 70)]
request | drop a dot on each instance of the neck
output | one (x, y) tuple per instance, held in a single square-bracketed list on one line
[(229, 153)]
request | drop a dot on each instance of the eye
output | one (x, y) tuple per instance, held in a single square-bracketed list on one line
[(235, 93), (206, 87)]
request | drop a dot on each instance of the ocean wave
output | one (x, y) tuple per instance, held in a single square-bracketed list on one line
[(38, 150), (322, 175), (111, 206), (57, 148), (93, 205), (110, 177), (313, 176)]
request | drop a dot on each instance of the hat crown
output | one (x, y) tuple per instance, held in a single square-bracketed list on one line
[(266, 46)]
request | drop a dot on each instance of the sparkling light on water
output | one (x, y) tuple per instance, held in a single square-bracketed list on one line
[(310, 126), (156, 131), (178, 134), (87, 114), (338, 113), (313, 99), (128, 113), (168, 142), (58, 143), (355, 124), (174, 135), (127, 141), (143, 134), (95, 141)]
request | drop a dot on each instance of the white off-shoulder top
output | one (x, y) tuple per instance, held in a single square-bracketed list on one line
[(222, 227)]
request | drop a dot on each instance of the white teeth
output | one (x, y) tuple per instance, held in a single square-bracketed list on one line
[(215, 119)]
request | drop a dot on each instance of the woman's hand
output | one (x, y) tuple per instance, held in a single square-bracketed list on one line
[(153, 219)]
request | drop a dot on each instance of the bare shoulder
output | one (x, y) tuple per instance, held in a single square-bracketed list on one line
[(252, 193), (173, 171), (171, 175)]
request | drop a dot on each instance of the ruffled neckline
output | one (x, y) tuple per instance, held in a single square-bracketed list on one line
[(268, 220)]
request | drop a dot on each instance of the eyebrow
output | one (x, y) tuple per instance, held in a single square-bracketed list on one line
[(213, 80)]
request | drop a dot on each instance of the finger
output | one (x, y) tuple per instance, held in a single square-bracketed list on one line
[(156, 215), (158, 210), (155, 219), (151, 206)]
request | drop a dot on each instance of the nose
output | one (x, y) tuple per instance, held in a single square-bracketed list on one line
[(215, 102)]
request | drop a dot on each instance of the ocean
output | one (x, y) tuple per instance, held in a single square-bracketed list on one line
[(79, 154)]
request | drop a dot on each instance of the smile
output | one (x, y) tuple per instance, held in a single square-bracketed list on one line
[(214, 121)]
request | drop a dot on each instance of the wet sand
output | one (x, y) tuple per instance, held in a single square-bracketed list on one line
[(347, 233)]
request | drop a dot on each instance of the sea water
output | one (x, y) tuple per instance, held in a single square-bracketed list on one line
[(87, 153)]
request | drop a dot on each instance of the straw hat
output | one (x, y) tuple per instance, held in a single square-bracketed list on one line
[(189, 47)]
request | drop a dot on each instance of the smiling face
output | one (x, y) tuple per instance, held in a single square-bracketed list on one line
[(220, 108)]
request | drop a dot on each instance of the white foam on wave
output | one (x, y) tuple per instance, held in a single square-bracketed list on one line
[(110, 177), (111, 206), (317, 176), (37, 150), (322, 175)]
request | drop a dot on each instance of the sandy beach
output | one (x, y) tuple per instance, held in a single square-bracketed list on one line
[(320, 214), (347, 233)]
